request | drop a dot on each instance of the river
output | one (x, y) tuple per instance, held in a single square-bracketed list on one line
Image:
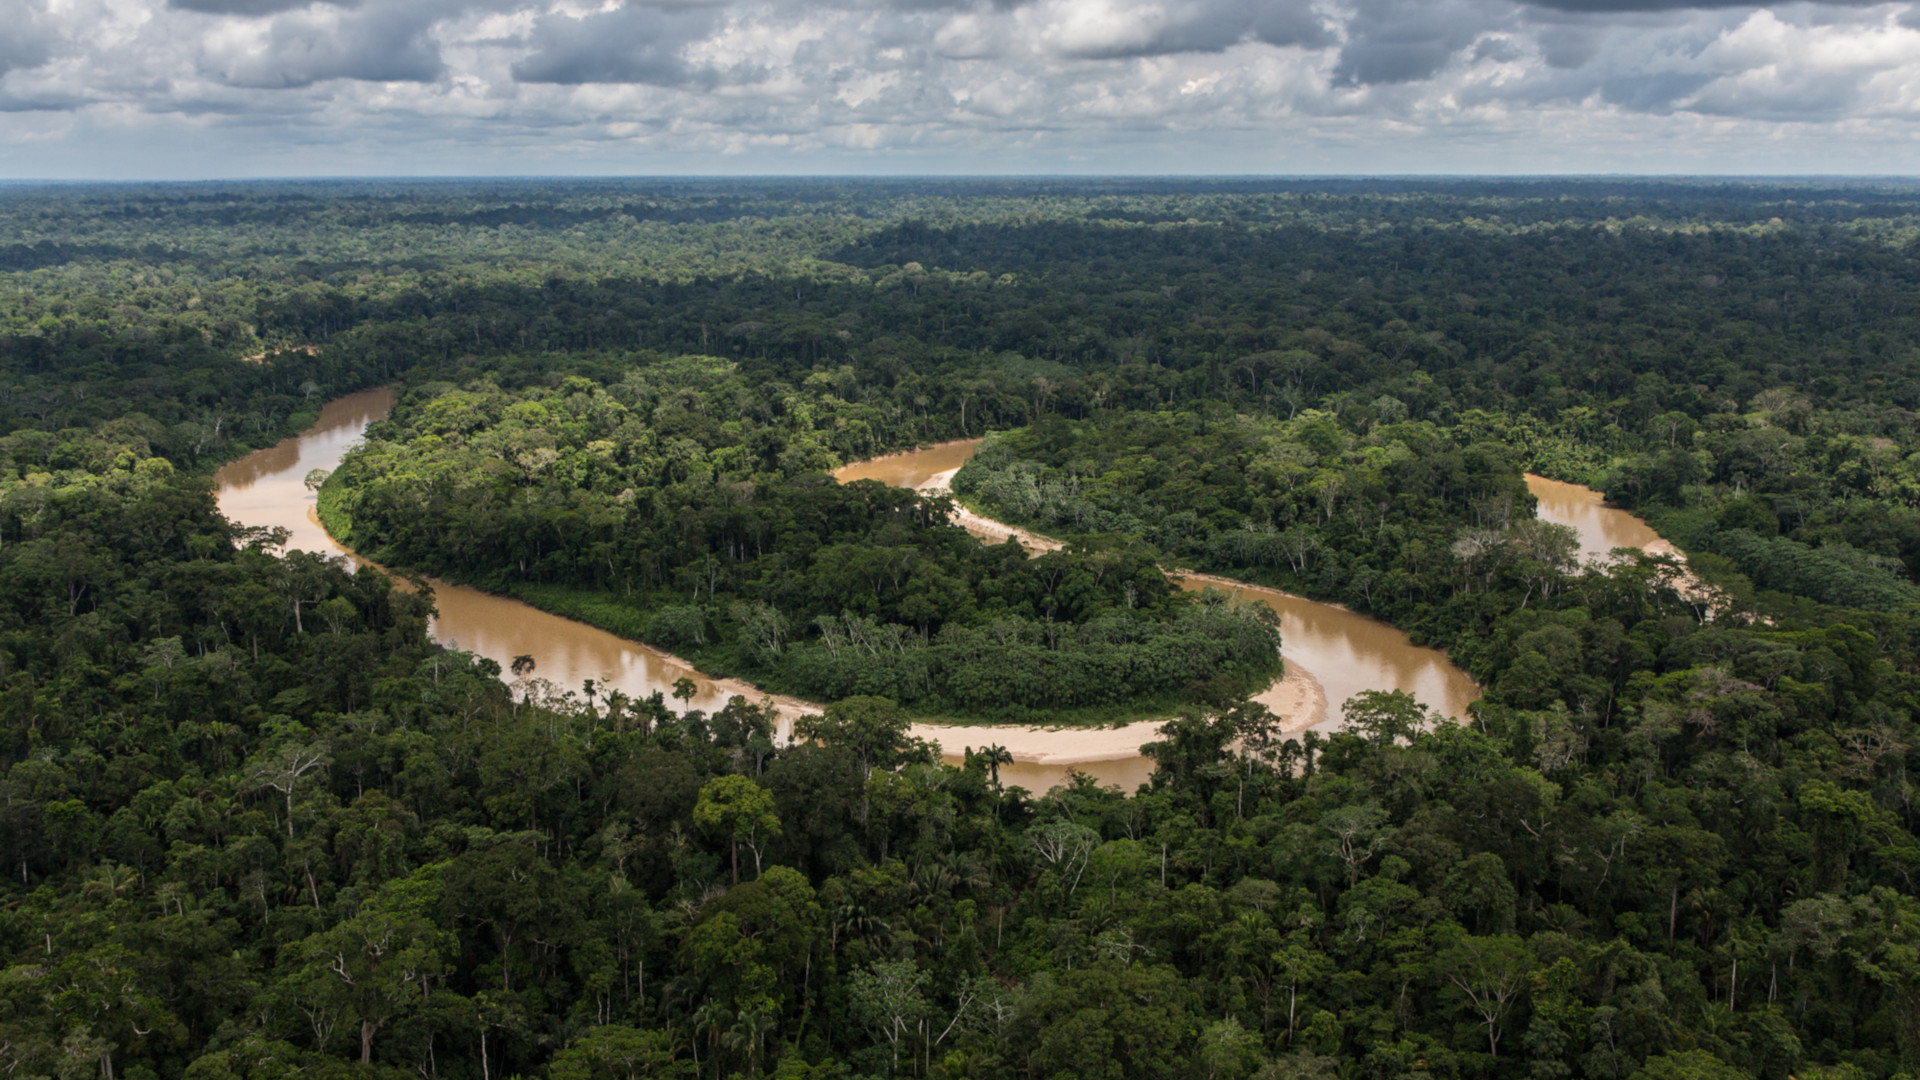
[(1600, 527), (268, 487), (1331, 653)]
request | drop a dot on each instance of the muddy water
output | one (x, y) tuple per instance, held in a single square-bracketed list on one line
[(915, 469), (1601, 528), (268, 488), (1344, 653)]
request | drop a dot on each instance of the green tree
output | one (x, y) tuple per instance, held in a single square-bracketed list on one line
[(618, 1052), (384, 961), (1491, 973), (740, 810), (888, 998)]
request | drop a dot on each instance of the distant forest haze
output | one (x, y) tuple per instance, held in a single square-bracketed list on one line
[(257, 824)]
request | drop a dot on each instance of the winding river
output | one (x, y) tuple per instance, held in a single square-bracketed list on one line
[(1331, 653)]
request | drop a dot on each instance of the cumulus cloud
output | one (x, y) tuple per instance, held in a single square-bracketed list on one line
[(379, 44), (1121, 84), (29, 37), (632, 44), (1123, 28), (241, 7)]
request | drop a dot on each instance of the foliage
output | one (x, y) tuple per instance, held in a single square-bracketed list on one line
[(256, 824)]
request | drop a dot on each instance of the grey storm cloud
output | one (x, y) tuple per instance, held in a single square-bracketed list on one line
[(27, 40), (1398, 41), (626, 45), (1569, 46), (388, 44)]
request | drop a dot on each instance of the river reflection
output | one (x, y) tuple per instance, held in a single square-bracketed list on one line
[(1600, 527), (1345, 653)]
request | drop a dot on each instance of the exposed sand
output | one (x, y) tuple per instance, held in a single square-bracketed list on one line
[(1044, 746), (987, 529), (261, 357), (1297, 699)]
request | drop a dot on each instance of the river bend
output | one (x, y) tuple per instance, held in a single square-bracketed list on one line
[(1331, 653)]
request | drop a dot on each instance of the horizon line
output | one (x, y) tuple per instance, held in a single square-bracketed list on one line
[(955, 177)]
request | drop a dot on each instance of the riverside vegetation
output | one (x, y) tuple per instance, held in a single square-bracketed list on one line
[(257, 824)]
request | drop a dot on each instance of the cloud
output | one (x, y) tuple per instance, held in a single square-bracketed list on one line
[(29, 39), (1399, 41), (11, 104), (1569, 46), (1658, 93), (242, 7), (383, 44), (975, 84), (1618, 7), (632, 44), (1766, 67), (1130, 28)]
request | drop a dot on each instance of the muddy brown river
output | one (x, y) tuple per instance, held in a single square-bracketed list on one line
[(268, 487), (1331, 653), (1600, 527)]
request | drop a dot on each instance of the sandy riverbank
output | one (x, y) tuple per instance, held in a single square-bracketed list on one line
[(987, 529), (1297, 699), (1044, 746)]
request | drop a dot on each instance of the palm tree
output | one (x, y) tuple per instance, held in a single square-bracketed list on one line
[(996, 756), (750, 1033), (110, 881), (715, 1018)]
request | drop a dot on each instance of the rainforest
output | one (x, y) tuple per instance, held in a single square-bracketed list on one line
[(272, 808)]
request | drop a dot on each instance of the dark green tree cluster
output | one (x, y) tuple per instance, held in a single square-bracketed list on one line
[(1796, 498)]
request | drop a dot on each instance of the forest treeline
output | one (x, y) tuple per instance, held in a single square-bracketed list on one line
[(256, 824)]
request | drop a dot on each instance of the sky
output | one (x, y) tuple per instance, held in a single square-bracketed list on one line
[(182, 89)]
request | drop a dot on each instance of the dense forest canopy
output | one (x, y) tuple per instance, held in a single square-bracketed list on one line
[(257, 824)]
